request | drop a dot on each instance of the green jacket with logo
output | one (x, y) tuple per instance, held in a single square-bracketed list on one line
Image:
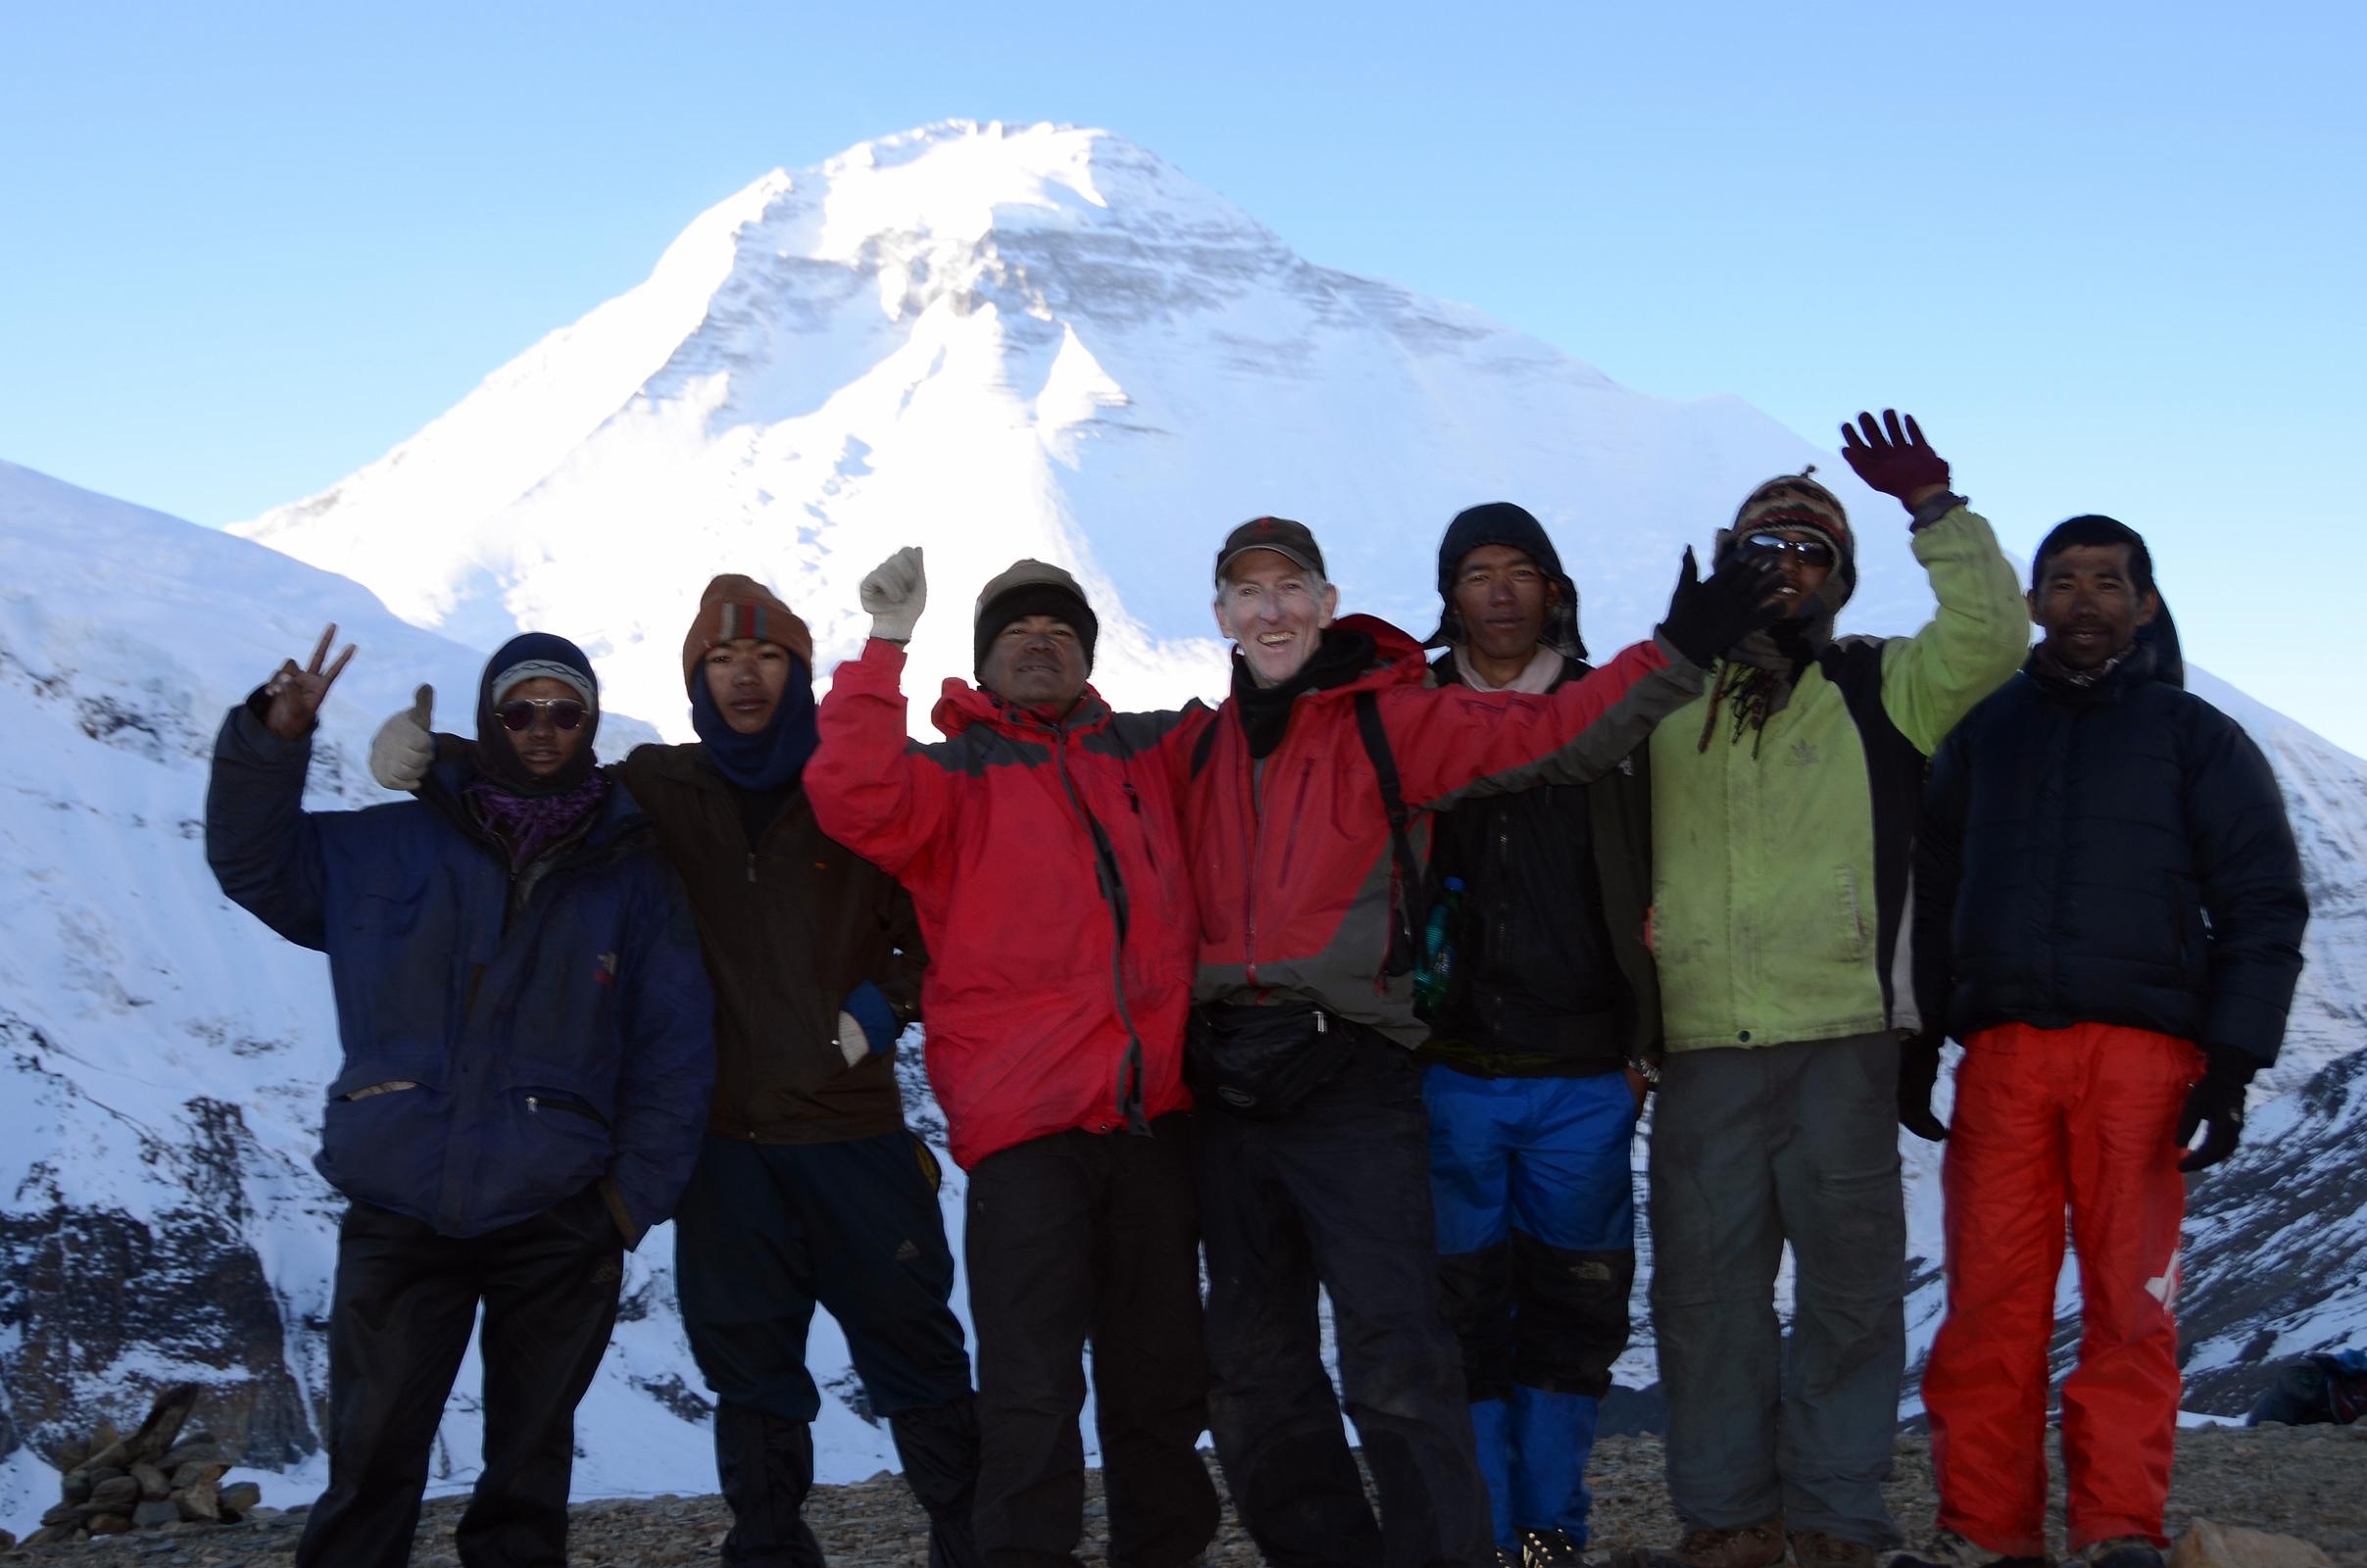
[(1781, 870)]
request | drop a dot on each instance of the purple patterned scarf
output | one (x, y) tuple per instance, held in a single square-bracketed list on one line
[(530, 824)]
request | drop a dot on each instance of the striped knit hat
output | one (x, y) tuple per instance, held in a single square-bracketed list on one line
[(1795, 501), (734, 607)]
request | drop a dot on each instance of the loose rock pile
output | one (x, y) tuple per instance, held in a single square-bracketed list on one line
[(151, 1480)]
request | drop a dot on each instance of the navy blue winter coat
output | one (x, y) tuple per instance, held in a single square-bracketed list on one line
[(553, 1030), (2117, 853)]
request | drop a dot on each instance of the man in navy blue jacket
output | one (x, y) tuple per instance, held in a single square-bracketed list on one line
[(528, 1039), (2109, 911)]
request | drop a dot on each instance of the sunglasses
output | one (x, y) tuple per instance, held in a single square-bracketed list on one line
[(565, 712), (1811, 552)]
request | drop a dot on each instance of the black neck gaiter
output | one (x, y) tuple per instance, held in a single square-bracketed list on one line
[(1343, 654)]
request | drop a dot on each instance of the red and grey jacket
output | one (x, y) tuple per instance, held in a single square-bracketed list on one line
[(1292, 863), (1045, 864)]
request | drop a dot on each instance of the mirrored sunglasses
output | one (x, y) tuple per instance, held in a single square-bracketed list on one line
[(1811, 552), (565, 712)]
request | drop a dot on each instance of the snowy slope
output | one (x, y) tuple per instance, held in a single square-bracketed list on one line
[(162, 1055)]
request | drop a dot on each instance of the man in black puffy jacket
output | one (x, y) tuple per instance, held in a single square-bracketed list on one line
[(1538, 1050), (2108, 915)]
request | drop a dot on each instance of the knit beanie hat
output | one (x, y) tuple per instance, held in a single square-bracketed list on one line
[(734, 607), (1032, 588), (1500, 522), (1795, 501), (533, 655)]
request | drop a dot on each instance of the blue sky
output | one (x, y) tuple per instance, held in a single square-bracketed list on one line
[(2110, 252)]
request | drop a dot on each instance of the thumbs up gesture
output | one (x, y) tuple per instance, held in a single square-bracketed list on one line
[(403, 748)]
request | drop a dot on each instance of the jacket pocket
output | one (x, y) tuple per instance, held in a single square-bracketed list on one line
[(559, 1102), (1851, 918), (382, 1140)]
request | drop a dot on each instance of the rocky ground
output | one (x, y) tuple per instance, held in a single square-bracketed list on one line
[(2309, 1482)]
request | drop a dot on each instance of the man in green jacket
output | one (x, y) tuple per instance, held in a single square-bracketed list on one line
[(1783, 803)]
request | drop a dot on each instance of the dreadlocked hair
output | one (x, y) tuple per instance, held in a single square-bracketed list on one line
[(1751, 689)]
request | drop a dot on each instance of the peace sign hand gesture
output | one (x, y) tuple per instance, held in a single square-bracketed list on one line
[(296, 694)]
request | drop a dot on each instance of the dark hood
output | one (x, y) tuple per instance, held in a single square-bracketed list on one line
[(497, 754), (1500, 522)]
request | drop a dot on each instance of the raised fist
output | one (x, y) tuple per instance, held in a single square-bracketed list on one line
[(895, 592)]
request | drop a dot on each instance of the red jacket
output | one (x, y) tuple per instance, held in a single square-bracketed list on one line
[(1292, 866), (993, 831)]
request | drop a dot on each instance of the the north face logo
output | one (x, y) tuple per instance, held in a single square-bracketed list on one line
[(608, 1273), (907, 1253)]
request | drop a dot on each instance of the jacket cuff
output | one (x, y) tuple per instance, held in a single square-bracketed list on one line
[(1933, 508), (870, 1009), (251, 720), (613, 1195), (2232, 1063)]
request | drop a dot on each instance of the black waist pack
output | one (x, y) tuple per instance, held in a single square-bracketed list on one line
[(1263, 1062)]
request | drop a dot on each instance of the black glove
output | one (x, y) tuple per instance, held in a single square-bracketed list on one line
[(1918, 1075), (1706, 618), (2217, 1098)]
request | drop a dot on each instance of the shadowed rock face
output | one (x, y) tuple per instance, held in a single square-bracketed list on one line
[(2275, 1241), (89, 1297)]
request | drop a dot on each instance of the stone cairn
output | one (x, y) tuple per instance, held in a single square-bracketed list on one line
[(155, 1479)]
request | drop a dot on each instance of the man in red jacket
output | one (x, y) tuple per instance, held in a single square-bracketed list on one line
[(1311, 1146), (1039, 841)]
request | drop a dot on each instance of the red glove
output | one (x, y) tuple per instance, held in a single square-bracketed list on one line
[(1894, 462)]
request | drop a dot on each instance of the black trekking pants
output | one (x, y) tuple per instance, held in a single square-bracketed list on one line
[(1337, 1193), (1072, 1238), (763, 1233), (404, 1300)]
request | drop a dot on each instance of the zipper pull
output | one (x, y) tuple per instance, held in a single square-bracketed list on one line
[(751, 865), (533, 1105)]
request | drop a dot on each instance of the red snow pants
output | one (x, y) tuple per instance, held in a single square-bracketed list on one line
[(2084, 1117)]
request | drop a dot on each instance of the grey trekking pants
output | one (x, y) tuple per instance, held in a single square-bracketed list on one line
[(1750, 1148)]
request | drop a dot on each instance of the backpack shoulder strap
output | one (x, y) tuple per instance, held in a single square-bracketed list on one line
[(1204, 745), (1411, 894)]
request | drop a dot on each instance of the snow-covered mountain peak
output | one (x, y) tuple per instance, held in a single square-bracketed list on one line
[(999, 342), (963, 181)]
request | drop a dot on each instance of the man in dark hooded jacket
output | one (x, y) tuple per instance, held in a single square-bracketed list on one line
[(809, 1190), (528, 1046), (2108, 915), (1542, 1042)]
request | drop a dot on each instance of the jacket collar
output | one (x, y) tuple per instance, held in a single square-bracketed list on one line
[(963, 705), (619, 812), (1398, 661), (1448, 671), (2130, 670)]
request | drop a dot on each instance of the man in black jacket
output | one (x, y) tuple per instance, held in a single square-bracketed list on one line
[(2108, 915), (1543, 1034)]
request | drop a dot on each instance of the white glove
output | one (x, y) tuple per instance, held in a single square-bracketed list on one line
[(853, 1043), (895, 592), (404, 749)]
